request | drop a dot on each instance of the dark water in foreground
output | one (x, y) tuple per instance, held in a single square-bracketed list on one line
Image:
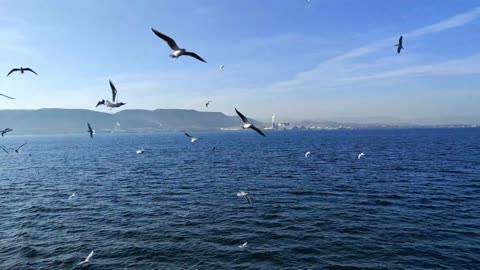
[(412, 203)]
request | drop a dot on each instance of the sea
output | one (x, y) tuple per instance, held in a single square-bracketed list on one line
[(412, 202)]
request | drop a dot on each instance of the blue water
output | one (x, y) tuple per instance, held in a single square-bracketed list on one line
[(413, 202)]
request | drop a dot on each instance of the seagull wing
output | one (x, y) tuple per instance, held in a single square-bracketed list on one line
[(196, 56), (399, 49), (7, 96), (101, 102), (20, 147), (31, 70), (4, 149), (114, 91), (13, 70), (244, 119), (188, 135), (89, 128), (248, 199), (173, 45), (89, 256), (258, 130), (400, 40)]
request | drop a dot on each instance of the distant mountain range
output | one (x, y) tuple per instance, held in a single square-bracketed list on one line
[(74, 121)]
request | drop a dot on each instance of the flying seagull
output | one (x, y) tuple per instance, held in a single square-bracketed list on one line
[(307, 154), (90, 130), (6, 96), (208, 103), (114, 103), (73, 195), (20, 147), (214, 148), (101, 102), (22, 70), (245, 196), (4, 149), (222, 67), (5, 131), (247, 124), (140, 151), (361, 155), (400, 44), (177, 52), (243, 245), (87, 260), (192, 139)]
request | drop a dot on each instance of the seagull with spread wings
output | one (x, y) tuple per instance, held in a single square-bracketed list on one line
[(5, 131), (114, 103), (90, 130), (247, 125), (245, 196), (177, 51), (192, 139), (22, 70), (87, 260), (400, 44)]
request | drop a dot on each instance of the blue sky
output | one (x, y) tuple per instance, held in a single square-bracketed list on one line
[(323, 60)]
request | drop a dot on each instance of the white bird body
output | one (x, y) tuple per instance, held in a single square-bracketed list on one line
[(246, 126), (307, 154), (73, 195), (243, 245), (177, 53), (194, 140), (361, 155), (140, 151)]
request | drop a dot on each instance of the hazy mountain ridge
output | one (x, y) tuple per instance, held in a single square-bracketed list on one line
[(74, 121)]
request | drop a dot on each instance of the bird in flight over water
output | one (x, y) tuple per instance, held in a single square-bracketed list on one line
[(101, 102), (247, 124), (87, 260), (114, 103), (208, 103), (22, 70), (245, 196), (243, 245), (361, 155), (90, 130), (192, 139), (73, 195), (4, 148), (400, 44), (5, 131), (177, 51)]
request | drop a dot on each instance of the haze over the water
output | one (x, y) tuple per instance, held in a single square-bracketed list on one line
[(323, 60)]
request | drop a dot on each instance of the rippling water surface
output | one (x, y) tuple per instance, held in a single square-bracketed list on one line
[(413, 202)]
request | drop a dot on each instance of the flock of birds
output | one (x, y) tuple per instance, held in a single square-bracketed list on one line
[(176, 53)]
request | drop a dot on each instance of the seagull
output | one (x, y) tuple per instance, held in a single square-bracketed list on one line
[(221, 67), (140, 151), (114, 103), (177, 52), (184, 215), (90, 130), (101, 102), (6, 96), (400, 44), (307, 154), (214, 148), (208, 103), (5, 131), (20, 147), (22, 70), (4, 149), (192, 139), (361, 155), (73, 195), (247, 124), (87, 260), (243, 245), (245, 196)]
